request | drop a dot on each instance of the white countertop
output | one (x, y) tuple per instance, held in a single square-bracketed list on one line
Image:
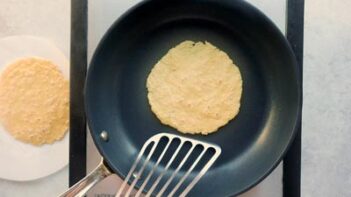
[(326, 138), (326, 122)]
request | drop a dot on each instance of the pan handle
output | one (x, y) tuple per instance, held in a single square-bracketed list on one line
[(84, 185)]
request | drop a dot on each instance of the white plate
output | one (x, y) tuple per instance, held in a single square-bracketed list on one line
[(20, 161)]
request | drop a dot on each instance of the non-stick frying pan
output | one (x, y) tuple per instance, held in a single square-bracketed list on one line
[(116, 95)]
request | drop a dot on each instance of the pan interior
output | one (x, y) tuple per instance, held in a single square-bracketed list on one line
[(252, 143)]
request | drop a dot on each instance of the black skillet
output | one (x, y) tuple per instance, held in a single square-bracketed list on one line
[(119, 116)]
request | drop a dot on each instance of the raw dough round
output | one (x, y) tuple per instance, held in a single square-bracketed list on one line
[(195, 88), (34, 101)]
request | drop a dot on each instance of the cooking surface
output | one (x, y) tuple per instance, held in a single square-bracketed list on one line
[(326, 115), (98, 23)]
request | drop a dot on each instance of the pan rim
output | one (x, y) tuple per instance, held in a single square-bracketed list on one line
[(298, 85)]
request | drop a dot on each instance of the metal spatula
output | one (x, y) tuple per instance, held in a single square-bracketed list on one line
[(171, 153)]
